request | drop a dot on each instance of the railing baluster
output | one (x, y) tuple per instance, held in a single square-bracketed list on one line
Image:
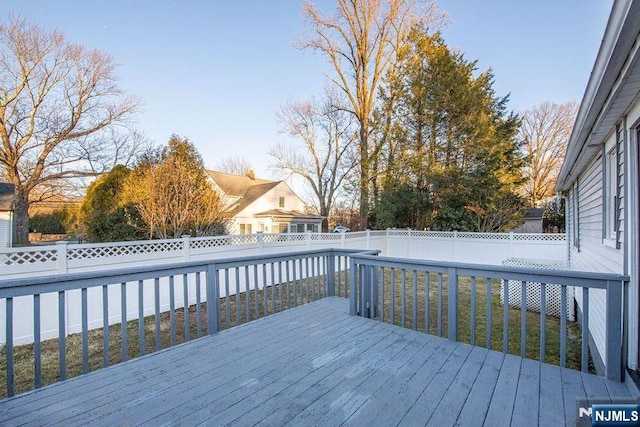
[(382, 294), (372, 284), (227, 305), (353, 288), (295, 284), (523, 319), (280, 285), (404, 294), (9, 347), (505, 318), (392, 289), (273, 289), (238, 301), (141, 343), (85, 332), (185, 306), (105, 326), (37, 345), (585, 330), (265, 297), (563, 326), (213, 299), (452, 302), (473, 310), (489, 316), (306, 264), (198, 308), (172, 314), (415, 300), (427, 283), (439, 304), (156, 301), (62, 335), (123, 325), (339, 274), (256, 296), (543, 321), (287, 287), (247, 294)]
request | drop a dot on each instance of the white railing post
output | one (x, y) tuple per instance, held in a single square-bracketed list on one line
[(61, 257), (455, 244), (308, 239), (260, 237), (409, 244), (368, 238), (511, 252), (186, 246), (342, 240)]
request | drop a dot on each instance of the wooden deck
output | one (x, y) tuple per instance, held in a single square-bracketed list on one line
[(316, 365)]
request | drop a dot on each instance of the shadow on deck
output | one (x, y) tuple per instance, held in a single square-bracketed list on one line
[(316, 365)]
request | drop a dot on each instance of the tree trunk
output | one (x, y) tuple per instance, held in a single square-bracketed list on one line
[(21, 219), (364, 175)]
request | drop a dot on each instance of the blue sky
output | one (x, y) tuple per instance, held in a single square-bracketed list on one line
[(217, 71)]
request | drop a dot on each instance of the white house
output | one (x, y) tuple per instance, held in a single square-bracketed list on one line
[(6, 215), (599, 176), (262, 205)]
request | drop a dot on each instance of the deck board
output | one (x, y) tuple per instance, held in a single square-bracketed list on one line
[(315, 365)]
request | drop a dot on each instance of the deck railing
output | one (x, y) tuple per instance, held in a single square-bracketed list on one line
[(456, 299), (126, 313)]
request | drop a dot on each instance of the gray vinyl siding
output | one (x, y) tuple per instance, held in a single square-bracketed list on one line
[(620, 211), (591, 254), (5, 229)]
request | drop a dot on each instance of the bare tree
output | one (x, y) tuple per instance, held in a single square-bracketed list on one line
[(361, 42), (235, 165), (55, 97), (544, 133), (326, 159)]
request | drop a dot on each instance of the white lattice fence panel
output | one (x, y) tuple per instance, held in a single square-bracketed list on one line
[(552, 291), (121, 250), (29, 257), (540, 237), (209, 242), (326, 237), (244, 239)]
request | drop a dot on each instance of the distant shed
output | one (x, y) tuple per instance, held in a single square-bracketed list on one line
[(6, 214)]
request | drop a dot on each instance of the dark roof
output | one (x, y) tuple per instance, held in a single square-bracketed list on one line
[(287, 214), (7, 196), (236, 185), (532, 213)]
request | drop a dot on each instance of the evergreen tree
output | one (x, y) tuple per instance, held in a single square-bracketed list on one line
[(449, 143)]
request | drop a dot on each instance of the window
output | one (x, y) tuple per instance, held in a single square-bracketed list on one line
[(261, 227), (244, 228), (281, 202), (283, 228), (610, 202), (248, 229), (241, 229)]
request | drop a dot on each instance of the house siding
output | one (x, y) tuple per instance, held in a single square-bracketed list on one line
[(592, 254)]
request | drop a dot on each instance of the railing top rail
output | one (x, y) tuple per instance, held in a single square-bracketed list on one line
[(58, 282), (569, 277)]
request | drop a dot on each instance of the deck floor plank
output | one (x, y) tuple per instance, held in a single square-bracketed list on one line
[(551, 411), (315, 365), (525, 410)]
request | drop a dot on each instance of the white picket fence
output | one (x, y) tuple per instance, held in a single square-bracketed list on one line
[(479, 248)]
